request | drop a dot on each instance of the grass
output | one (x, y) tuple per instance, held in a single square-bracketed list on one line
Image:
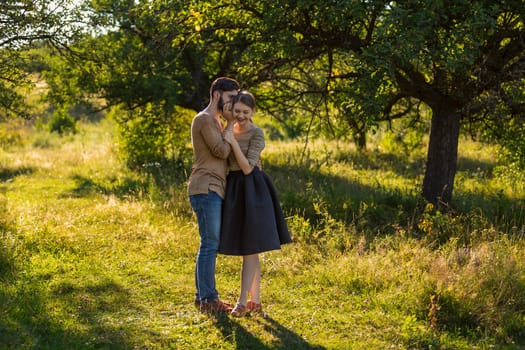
[(93, 256)]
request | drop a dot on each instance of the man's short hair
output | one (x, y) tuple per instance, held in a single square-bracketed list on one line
[(224, 84)]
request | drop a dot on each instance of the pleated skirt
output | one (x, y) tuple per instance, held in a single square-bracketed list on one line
[(252, 218)]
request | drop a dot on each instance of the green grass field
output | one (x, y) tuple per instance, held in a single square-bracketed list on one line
[(93, 256)]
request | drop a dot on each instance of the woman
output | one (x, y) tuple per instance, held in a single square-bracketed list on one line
[(252, 221)]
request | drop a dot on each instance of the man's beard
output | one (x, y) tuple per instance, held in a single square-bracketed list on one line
[(221, 103)]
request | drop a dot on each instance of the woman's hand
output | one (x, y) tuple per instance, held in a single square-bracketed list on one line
[(228, 136), (227, 112)]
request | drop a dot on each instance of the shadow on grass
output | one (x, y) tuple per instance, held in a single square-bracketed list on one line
[(119, 187), (8, 266), (241, 338), (306, 190), (8, 241), (374, 207), (318, 197), (126, 186), (395, 163), (398, 163), (26, 323), (70, 315), (7, 174)]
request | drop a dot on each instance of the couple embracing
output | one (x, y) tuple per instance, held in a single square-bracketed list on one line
[(236, 204)]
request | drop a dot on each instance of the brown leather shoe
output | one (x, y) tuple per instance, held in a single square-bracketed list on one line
[(215, 306)]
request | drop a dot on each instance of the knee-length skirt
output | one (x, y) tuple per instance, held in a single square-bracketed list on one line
[(252, 218)]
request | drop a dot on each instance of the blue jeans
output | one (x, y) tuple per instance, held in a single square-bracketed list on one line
[(208, 208)]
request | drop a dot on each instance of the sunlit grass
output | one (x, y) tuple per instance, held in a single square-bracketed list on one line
[(96, 256)]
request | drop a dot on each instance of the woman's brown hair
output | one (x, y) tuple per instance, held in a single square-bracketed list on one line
[(245, 97)]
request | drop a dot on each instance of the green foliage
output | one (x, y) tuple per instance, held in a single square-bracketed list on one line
[(514, 152), (155, 140), (12, 134), (12, 80), (456, 58), (512, 175), (62, 122), (388, 52), (28, 24), (405, 137)]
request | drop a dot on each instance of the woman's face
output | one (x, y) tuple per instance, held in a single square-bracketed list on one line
[(242, 113)]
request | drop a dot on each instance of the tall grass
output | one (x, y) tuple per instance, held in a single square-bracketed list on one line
[(95, 256)]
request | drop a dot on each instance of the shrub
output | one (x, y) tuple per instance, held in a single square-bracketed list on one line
[(155, 141), (62, 122), (12, 134)]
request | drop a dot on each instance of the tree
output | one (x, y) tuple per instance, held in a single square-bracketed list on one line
[(363, 62), (464, 59), (149, 52), (24, 24), (147, 59), (456, 57)]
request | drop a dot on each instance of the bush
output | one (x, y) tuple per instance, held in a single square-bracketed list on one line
[(12, 134), (62, 122), (10, 138), (155, 141)]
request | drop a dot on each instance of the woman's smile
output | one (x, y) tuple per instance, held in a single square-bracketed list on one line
[(242, 113)]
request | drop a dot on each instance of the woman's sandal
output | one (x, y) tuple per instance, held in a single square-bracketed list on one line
[(254, 307), (239, 310)]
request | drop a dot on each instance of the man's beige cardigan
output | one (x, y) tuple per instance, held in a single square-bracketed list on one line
[(210, 152)]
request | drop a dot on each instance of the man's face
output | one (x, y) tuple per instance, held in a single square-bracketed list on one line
[(225, 100)]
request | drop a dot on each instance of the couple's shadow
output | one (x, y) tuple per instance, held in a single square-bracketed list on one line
[(279, 337)]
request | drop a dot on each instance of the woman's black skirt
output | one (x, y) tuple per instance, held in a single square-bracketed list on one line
[(252, 218)]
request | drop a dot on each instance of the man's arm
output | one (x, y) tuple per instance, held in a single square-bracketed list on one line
[(213, 138)]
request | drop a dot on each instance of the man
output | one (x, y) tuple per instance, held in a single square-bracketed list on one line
[(206, 187)]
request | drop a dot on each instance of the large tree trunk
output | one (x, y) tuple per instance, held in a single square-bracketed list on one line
[(442, 156)]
